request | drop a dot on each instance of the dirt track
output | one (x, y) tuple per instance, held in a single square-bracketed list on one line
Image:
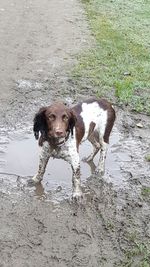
[(42, 227)]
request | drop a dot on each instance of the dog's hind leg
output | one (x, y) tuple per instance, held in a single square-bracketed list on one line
[(103, 150), (93, 138), (96, 147)]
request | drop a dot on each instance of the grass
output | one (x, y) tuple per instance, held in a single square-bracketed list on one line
[(147, 157), (118, 64), (138, 254), (145, 191)]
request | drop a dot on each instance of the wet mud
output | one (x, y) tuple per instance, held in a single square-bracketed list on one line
[(20, 156), (41, 226)]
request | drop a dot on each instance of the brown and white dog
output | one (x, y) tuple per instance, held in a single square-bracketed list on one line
[(62, 129)]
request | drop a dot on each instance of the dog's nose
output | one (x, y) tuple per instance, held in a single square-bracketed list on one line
[(59, 133)]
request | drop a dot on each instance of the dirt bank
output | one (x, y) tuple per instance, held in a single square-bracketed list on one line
[(41, 226)]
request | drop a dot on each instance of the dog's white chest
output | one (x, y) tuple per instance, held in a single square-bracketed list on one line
[(67, 151)]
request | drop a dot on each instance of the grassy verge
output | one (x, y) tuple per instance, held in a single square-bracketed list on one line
[(118, 66), (138, 255)]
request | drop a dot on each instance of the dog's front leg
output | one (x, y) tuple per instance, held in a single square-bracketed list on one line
[(45, 154), (76, 181)]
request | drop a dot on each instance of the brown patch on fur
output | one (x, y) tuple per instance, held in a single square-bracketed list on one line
[(79, 126), (91, 128), (110, 122)]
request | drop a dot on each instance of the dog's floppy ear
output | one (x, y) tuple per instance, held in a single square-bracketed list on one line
[(40, 124), (72, 121)]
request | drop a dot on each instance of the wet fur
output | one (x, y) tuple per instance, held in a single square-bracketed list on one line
[(92, 119)]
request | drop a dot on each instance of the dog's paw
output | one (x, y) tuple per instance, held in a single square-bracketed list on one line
[(77, 196), (99, 171), (33, 181)]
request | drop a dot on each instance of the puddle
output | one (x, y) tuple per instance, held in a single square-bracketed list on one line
[(19, 157)]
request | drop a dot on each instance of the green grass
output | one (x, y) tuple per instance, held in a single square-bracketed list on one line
[(138, 253), (147, 157), (118, 64), (145, 191)]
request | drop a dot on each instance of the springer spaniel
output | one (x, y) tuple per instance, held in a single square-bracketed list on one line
[(62, 129)]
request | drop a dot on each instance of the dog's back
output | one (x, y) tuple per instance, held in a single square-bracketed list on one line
[(95, 115)]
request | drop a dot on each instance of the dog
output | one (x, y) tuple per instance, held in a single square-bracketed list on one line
[(62, 129)]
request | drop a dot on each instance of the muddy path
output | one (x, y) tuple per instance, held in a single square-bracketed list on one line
[(38, 44), (42, 226)]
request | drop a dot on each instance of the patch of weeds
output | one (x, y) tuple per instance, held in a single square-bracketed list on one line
[(147, 157), (124, 90), (118, 65), (85, 1), (132, 236), (145, 191), (139, 254), (145, 264), (140, 99), (109, 226), (137, 103)]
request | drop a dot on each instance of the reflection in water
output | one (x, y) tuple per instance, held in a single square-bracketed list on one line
[(92, 166), (39, 190)]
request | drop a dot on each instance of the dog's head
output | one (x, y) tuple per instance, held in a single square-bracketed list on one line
[(54, 122)]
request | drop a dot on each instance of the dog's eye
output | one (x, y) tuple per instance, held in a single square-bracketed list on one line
[(65, 117), (51, 117)]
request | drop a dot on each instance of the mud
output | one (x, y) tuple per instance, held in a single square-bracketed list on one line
[(41, 226), (19, 157)]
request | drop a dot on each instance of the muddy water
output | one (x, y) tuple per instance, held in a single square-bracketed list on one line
[(19, 158)]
